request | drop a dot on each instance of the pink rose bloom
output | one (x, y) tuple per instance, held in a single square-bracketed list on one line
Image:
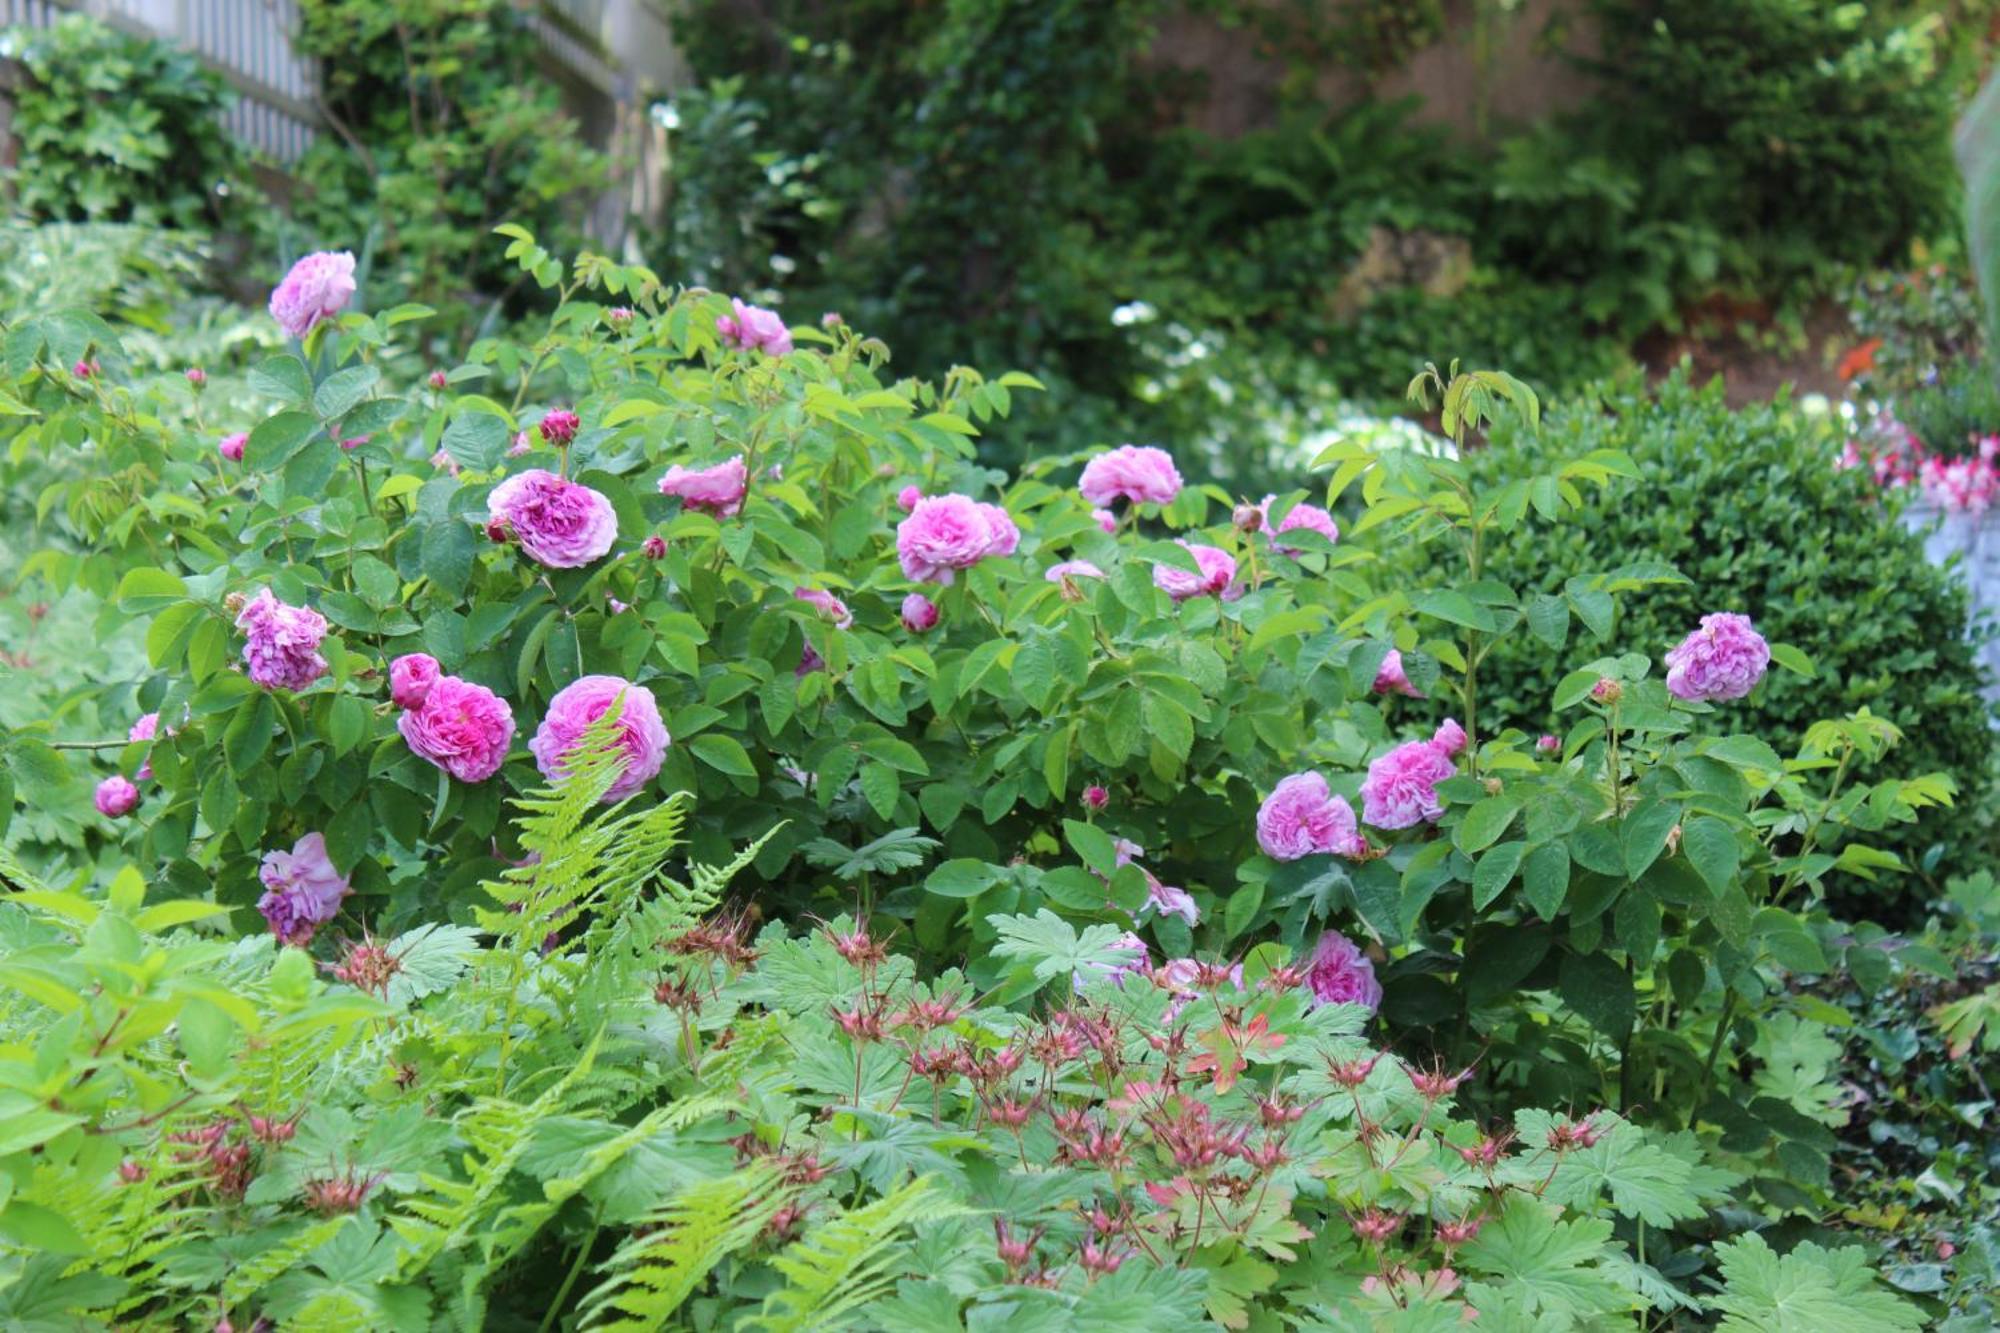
[(1721, 660), (1341, 974), (318, 288), (410, 679), (281, 645), (522, 445), (1181, 974), (1401, 787), (1549, 744), (559, 523), (1218, 567), (1449, 737), (303, 890), (1141, 474), (444, 462), (144, 730), (828, 605), (1389, 679), (1073, 569), (942, 535), (1170, 901), (355, 442), (1126, 851), (460, 727), (1096, 797), (1302, 818), (906, 499), (116, 797), (1006, 538), (1105, 519), (1129, 955), (559, 427), (1301, 515), (231, 447), (753, 327), (920, 613), (718, 490), (641, 734)]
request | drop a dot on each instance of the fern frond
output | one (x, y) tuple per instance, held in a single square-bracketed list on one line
[(673, 1249), (842, 1265)]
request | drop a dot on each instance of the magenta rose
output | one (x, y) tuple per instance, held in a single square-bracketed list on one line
[(920, 613), (1389, 679), (318, 288), (1138, 473), (460, 727), (1004, 537), (1723, 659), (1302, 818), (1311, 518), (145, 729), (942, 535), (231, 447), (559, 523), (752, 327), (1449, 737), (1401, 787), (410, 679), (116, 797), (1341, 974), (1105, 519), (281, 643), (559, 427), (302, 890), (829, 606), (718, 490), (906, 499), (1218, 568), (640, 735)]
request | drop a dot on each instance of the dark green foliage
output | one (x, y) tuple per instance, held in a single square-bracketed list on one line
[(114, 128), (1748, 506)]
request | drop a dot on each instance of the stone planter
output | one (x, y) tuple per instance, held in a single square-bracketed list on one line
[(1975, 540)]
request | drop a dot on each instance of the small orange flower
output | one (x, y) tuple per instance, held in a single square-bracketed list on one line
[(1858, 361)]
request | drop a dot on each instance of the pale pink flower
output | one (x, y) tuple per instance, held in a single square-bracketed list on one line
[(1073, 569), (318, 288), (144, 730), (1183, 975), (116, 797), (1005, 537), (1548, 744), (521, 446), (718, 490), (1449, 737), (1128, 955), (1721, 660), (1309, 517), (410, 679), (640, 734), (1170, 901), (920, 613), (460, 727), (1141, 474), (906, 499), (1401, 787), (942, 535), (1389, 678), (1105, 519), (1341, 974), (444, 462), (197, 376), (829, 606), (559, 523), (1301, 817), (1218, 568), (753, 327), (231, 447), (303, 890), (281, 643)]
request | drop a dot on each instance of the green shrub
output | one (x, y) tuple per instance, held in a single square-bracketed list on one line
[(1748, 506), (116, 128)]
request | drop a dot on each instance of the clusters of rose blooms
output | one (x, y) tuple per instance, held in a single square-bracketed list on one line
[(459, 727), (1894, 457), (118, 795)]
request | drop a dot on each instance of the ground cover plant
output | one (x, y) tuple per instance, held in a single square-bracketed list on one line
[(637, 824)]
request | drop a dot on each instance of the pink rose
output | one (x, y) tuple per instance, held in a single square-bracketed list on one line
[(944, 534), (829, 606), (303, 890), (1449, 737), (1126, 955), (558, 427), (1006, 538), (1341, 974), (906, 499), (1310, 517), (231, 447), (410, 679), (718, 490), (1170, 901), (641, 734), (1140, 474), (521, 446), (1401, 787), (1721, 660), (559, 523), (1105, 519), (1073, 569), (1218, 568), (1302, 818), (1389, 679), (144, 730), (1095, 797), (920, 613), (753, 327), (460, 727), (1549, 744), (116, 797), (281, 643), (318, 288)]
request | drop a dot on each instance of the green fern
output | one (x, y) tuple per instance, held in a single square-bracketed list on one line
[(673, 1249), (841, 1265)]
